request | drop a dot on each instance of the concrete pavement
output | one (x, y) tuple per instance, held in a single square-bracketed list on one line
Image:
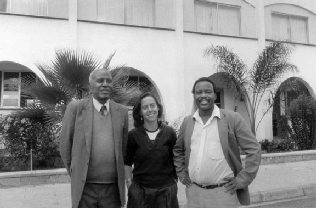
[(273, 182)]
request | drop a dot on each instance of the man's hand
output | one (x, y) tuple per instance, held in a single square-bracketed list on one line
[(232, 186), (186, 181)]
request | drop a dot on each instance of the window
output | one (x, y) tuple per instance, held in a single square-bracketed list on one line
[(28, 7), (3, 5), (150, 13), (217, 18), (219, 98), (53, 8), (289, 28), (140, 12), (10, 88)]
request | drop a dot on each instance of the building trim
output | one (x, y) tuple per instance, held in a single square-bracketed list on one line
[(33, 16), (295, 43), (220, 35), (126, 25), (292, 4)]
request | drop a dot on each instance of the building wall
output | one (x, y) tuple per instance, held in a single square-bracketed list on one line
[(35, 39), (171, 58), (149, 50)]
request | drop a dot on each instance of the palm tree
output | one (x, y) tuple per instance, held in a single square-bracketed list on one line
[(254, 83), (66, 79)]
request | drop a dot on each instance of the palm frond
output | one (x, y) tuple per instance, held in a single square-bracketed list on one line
[(229, 63), (120, 75), (270, 66), (124, 90), (106, 65), (51, 95), (34, 112), (67, 78)]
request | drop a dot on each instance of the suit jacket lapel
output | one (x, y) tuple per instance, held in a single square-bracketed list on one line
[(116, 125), (188, 133), (223, 134), (87, 113)]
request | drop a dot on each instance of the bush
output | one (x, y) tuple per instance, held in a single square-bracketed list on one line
[(276, 146), (176, 124), (302, 112), (21, 135)]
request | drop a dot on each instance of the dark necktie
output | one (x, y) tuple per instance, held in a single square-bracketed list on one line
[(103, 110)]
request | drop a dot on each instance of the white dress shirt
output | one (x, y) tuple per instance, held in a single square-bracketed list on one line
[(97, 105), (207, 164)]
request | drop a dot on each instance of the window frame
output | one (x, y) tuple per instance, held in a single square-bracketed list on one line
[(289, 28), (6, 4), (153, 15), (2, 89), (218, 5)]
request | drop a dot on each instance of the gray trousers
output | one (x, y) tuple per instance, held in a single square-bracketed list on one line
[(142, 197), (100, 196), (210, 198)]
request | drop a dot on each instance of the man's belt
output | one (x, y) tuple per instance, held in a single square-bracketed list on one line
[(209, 186)]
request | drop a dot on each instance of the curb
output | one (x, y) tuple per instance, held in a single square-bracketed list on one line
[(38, 177), (281, 194), (277, 194), (286, 157)]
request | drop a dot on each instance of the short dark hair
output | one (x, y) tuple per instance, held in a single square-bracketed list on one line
[(203, 79), (138, 121)]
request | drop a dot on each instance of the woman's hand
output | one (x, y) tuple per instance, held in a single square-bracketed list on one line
[(128, 182), (186, 181)]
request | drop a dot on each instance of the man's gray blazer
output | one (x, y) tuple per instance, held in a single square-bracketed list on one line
[(233, 133), (75, 143)]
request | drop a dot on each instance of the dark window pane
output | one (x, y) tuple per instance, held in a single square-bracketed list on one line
[(27, 79), (218, 99), (11, 81)]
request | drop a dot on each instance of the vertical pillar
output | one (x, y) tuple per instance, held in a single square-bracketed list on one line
[(265, 128), (260, 24), (180, 55), (72, 19)]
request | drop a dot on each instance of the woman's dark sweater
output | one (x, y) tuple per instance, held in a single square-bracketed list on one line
[(152, 159)]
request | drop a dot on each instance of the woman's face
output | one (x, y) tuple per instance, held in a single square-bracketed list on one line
[(149, 109)]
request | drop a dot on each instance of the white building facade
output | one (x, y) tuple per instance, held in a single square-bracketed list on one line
[(163, 39)]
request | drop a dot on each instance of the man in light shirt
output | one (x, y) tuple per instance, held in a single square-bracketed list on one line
[(207, 157)]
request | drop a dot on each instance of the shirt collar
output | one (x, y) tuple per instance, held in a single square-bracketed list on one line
[(215, 113), (98, 105)]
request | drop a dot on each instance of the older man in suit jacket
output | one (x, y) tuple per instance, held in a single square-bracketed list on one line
[(207, 156), (93, 141)]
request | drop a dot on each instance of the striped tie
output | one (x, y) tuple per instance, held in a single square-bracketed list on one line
[(103, 110)]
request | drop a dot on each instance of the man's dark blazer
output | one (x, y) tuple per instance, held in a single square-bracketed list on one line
[(75, 143), (233, 133)]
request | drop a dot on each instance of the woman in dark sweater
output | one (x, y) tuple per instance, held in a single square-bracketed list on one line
[(152, 181)]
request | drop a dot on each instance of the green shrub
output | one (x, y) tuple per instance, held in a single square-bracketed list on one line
[(176, 124), (302, 112), (276, 146), (21, 135)]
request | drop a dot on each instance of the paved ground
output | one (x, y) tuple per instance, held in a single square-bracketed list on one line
[(43, 196), (276, 179), (305, 202), (284, 175)]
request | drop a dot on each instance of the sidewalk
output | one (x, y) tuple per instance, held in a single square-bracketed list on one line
[(273, 182)]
